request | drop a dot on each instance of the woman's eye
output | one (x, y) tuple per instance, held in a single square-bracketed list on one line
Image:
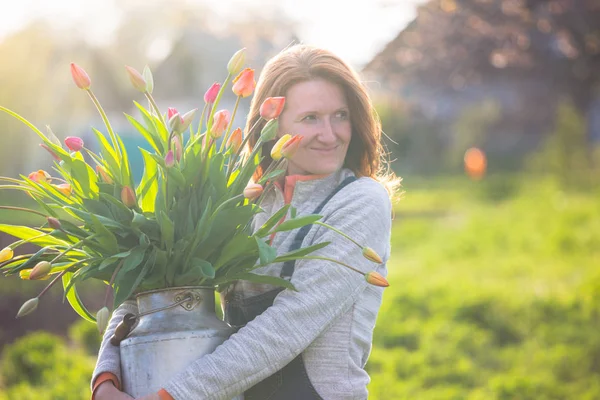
[(342, 114), (309, 118)]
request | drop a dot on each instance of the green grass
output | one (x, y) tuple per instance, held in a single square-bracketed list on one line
[(495, 294)]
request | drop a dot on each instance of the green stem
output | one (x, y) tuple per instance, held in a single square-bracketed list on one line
[(201, 120), (332, 260), (156, 109), (23, 209), (338, 231), (71, 248), (113, 137), (224, 141), (60, 276)]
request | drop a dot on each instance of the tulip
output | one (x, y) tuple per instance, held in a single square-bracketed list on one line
[(102, 319), (187, 119), (80, 77), (211, 94), (64, 188), (376, 279), (244, 83), (371, 255), (74, 143), (235, 140), (104, 175), (178, 147), (137, 80), (291, 146), (40, 176), (253, 191), (220, 122), (269, 131), (49, 150), (272, 107), (24, 274), (28, 307), (169, 159), (176, 123), (54, 223), (6, 254), (128, 196), (276, 150), (41, 270), (237, 61), (171, 112)]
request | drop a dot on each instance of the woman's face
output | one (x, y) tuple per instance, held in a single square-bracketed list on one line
[(318, 110)]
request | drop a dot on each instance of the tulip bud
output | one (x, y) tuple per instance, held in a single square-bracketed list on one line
[(40, 176), (211, 94), (169, 159), (6, 254), (178, 147), (237, 61), (187, 119), (171, 112), (176, 123), (269, 131), (24, 274), (276, 150), (54, 223), (291, 146), (137, 80), (370, 254), (104, 175), (253, 191), (220, 122), (147, 75), (64, 188), (49, 150), (128, 196), (102, 319), (272, 107), (376, 279), (40, 270), (80, 77), (244, 83), (28, 307), (74, 143), (235, 140)]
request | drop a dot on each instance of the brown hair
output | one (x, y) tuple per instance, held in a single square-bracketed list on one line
[(301, 63)]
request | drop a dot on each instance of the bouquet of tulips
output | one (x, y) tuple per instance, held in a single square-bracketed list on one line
[(186, 223)]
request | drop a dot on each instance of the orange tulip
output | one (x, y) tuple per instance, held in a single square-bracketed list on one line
[(475, 163), (128, 196), (40, 176), (80, 77), (235, 140), (64, 188), (220, 122), (272, 107), (290, 147), (376, 279), (371, 255), (244, 83), (104, 175)]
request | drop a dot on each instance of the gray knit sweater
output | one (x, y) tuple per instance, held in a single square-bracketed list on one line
[(330, 319)]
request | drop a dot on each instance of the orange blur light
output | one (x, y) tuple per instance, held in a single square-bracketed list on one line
[(475, 163)]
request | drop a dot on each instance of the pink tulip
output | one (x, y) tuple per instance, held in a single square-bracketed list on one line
[(74, 143), (169, 159), (172, 111), (211, 94), (272, 107), (80, 77), (137, 80), (178, 147)]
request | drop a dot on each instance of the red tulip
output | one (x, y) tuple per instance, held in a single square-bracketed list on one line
[(244, 83), (74, 143), (80, 77), (272, 107), (211, 94)]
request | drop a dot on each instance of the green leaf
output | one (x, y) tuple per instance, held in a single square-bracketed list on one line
[(266, 253), (84, 175), (296, 254), (32, 235), (271, 175), (135, 259), (299, 222), (271, 280), (167, 230), (109, 154), (153, 140), (74, 300), (272, 221), (148, 187), (104, 236)]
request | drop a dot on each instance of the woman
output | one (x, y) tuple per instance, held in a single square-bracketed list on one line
[(313, 343)]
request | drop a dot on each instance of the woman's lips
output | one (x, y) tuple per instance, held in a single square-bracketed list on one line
[(325, 151)]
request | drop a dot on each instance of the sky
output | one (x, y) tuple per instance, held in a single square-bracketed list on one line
[(354, 29)]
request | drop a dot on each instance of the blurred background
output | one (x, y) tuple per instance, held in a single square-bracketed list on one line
[(491, 110)]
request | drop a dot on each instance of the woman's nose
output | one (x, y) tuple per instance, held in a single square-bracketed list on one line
[(327, 133)]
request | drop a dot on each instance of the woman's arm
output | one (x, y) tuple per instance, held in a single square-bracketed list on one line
[(325, 291)]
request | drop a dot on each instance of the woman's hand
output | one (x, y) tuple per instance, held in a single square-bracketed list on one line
[(108, 391)]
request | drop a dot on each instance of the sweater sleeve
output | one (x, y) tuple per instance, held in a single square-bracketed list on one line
[(326, 290), (109, 357)]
